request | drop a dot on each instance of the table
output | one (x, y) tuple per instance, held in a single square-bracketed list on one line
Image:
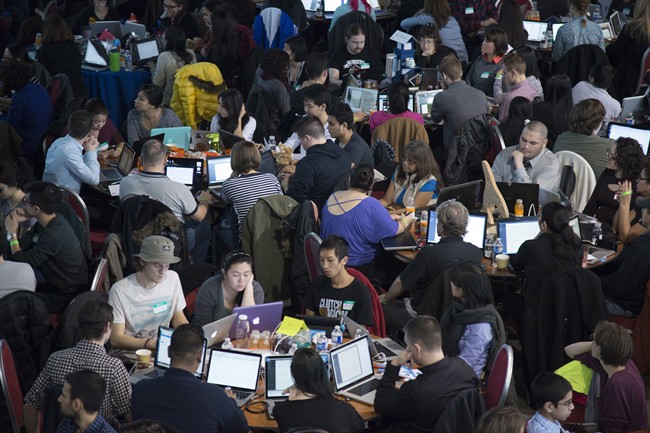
[(117, 89)]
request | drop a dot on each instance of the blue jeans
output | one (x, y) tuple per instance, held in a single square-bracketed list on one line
[(198, 240)]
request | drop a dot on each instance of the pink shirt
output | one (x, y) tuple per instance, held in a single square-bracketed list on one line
[(379, 117)]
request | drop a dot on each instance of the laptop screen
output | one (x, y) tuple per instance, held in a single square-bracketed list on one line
[(185, 171), (178, 136), (536, 30), (617, 130), (384, 104), (146, 49), (331, 5), (351, 362), (218, 170), (574, 223), (425, 101), (310, 5), (125, 162), (556, 28), (162, 356), (278, 375), (515, 231), (475, 229), (360, 99), (235, 369), (93, 56)]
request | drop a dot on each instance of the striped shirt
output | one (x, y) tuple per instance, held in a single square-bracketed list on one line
[(244, 191)]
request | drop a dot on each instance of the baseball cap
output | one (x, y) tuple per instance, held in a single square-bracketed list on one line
[(157, 249), (643, 202)]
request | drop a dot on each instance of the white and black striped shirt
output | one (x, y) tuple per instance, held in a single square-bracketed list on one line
[(244, 191)]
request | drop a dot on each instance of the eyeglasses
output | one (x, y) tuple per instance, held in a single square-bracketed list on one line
[(566, 403), (3, 188), (165, 6)]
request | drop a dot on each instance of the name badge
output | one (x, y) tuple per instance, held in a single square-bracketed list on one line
[(348, 305), (469, 10), (160, 307), (485, 75)]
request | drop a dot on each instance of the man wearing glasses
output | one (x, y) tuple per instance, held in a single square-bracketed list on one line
[(50, 247)]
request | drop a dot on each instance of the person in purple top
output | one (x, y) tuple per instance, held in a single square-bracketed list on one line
[(622, 404)]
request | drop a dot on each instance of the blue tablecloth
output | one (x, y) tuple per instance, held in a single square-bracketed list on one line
[(117, 89)]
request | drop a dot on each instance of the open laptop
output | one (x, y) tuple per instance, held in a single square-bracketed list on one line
[(476, 226), (617, 130), (466, 193), (354, 376), (145, 50), (429, 79), (595, 253), (187, 171), (178, 136), (320, 323), (263, 317), (95, 57), (556, 28), (424, 102), (310, 5), (124, 165), (515, 231), (527, 192), (277, 375), (218, 330), (162, 361), (400, 242), (218, 171), (389, 347), (361, 99), (199, 140), (228, 139), (630, 105), (536, 30), (384, 105), (118, 29), (608, 32), (139, 144), (329, 6), (618, 21), (238, 370)]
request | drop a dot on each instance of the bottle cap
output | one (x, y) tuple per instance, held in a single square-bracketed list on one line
[(243, 317)]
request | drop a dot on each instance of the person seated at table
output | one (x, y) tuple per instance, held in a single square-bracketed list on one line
[(554, 110), (149, 113), (311, 402), (173, 57), (486, 67), (398, 98), (18, 52), (585, 120), (348, 58), (519, 114), (232, 116), (518, 85), (436, 15), (502, 419), (625, 160), (530, 161), (579, 31), (626, 222), (352, 5), (271, 78), (511, 21), (234, 287), (341, 123), (417, 176), (180, 399), (103, 128), (600, 79), (59, 53), (471, 327), (532, 75), (12, 185), (66, 163), (150, 298), (315, 72), (296, 47), (98, 10), (431, 261), (336, 293), (553, 397), (315, 99), (177, 13), (360, 219), (622, 400), (430, 50), (30, 111)]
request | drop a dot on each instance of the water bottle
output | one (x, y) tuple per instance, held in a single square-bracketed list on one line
[(630, 119), (321, 343), (272, 144), (489, 243), (242, 331), (337, 336), (497, 249), (409, 204), (227, 344), (319, 10), (549, 39), (358, 334), (293, 349), (128, 61), (596, 234)]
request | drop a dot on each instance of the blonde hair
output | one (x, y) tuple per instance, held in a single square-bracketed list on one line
[(639, 26)]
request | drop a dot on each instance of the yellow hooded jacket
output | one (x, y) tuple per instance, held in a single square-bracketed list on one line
[(196, 93)]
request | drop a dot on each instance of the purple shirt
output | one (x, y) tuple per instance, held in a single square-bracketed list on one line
[(522, 89)]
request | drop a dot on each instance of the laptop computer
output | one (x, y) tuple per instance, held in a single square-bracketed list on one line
[(354, 376), (228, 139), (630, 105), (527, 192), (389, 347), (145, 50), (515, 231), (595, 253), (218, 171), (466, 193), (593, 11), (137, 145), (618, 21), (384, 105), (556, 28), (320, 323), (218, 330), (608, 32), (476, 226), (277, 378), (124, 165), (112, 26), (310, 5), (95, 57), (238, 370), (329, 6), (536, 30), (361, 99), (199, 140), (424, 101), (402, 241), (617, 130), (178, 136), (187, 171), (162, 361), (546, 196), (429, 79), (263, 317)]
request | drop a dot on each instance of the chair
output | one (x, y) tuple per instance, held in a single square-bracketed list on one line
[(190, 303), (465, 153), (577, 62), (67, 334), (399, 132), (645, 67), (497, 144), (312, 242), (379, 328), (11, 392), (498, 384), (373, 31), (79, 207), (584, 175), (100, 276)]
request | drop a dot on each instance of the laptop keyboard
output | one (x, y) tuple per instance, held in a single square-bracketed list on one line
[(365, 387), (109, 174), (240, 395), (155, 373), (384, 350)]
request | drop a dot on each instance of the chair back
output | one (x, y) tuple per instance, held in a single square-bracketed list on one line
[(379, 328), (373, 31), (400, 131), (645, 67), (190, 303), (498, 384), (585, 180), (67, 334), (13, 396), (497, 144), (80, 208), (100, 276), (577, 62), (312, 243)]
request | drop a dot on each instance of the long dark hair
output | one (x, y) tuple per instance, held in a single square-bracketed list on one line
[(521, 109), (175, 41), (225, 40), (309, 373), (232, 100), (420, 153), (567, 247), (476, 286), (398, 97), (511, 22), (558, 93)]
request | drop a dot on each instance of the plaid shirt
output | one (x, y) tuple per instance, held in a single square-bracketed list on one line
[(471, 22), (86, 355), (100, 425), (539, 424)]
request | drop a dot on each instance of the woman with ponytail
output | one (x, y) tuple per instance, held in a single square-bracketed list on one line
[(352, 5), (578, 31)]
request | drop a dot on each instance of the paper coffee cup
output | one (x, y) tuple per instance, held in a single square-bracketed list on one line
[(144, 357), (502, 261)]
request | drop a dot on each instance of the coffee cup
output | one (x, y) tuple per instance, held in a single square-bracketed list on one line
[(502, 261), (144, 357)]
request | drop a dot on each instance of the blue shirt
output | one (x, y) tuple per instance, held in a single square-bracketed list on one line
[(539, 424), (100, 425), (573, 34), (346, 8), (474, 345), (65, 165)]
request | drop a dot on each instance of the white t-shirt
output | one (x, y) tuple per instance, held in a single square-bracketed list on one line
[(144, 310), (247, 131)]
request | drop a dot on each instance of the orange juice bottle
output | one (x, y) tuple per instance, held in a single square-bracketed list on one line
[(519, 208)]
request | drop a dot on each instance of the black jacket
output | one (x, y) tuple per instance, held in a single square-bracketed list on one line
[(63, 58)]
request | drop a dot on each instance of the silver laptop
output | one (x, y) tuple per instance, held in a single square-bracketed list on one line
[(595, 252), (217, 331), (218, 171), (162, 361), (390, 348), (354, 376), (124, 165), (237, 370), (630, 105), (277, 374), (361, 99), (536, 30)]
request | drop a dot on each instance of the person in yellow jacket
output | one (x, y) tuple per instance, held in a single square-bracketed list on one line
[(196, 93)]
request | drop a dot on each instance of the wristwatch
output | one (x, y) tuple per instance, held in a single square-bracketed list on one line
[(11, 236)]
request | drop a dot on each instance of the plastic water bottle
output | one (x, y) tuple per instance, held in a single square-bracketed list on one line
[(337, 336), (242, 331), (358, 334), (549, 38), (489, 244), (128, 61), (293, 349), (409, 204), (272, 143), (227, 344), (319, 10), (321, 343), (497, 249), (630, 119), (596, 234)]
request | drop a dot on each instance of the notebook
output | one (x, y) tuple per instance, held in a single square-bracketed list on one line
[(390, 348), (354, 376), (124, 165), (137, 145), (429, 79), (187, 171), (238, 370), (515, 231), (402, 241), (465, 193), (218, 170), (476, 226), (162, 361), (199, 140), (118, 29), (384, 105), (595, 253), (178, 136), (263, 317), (617, 130), (536, 30), (277, 371), (361, 99), (218, 330), (527, 192)]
